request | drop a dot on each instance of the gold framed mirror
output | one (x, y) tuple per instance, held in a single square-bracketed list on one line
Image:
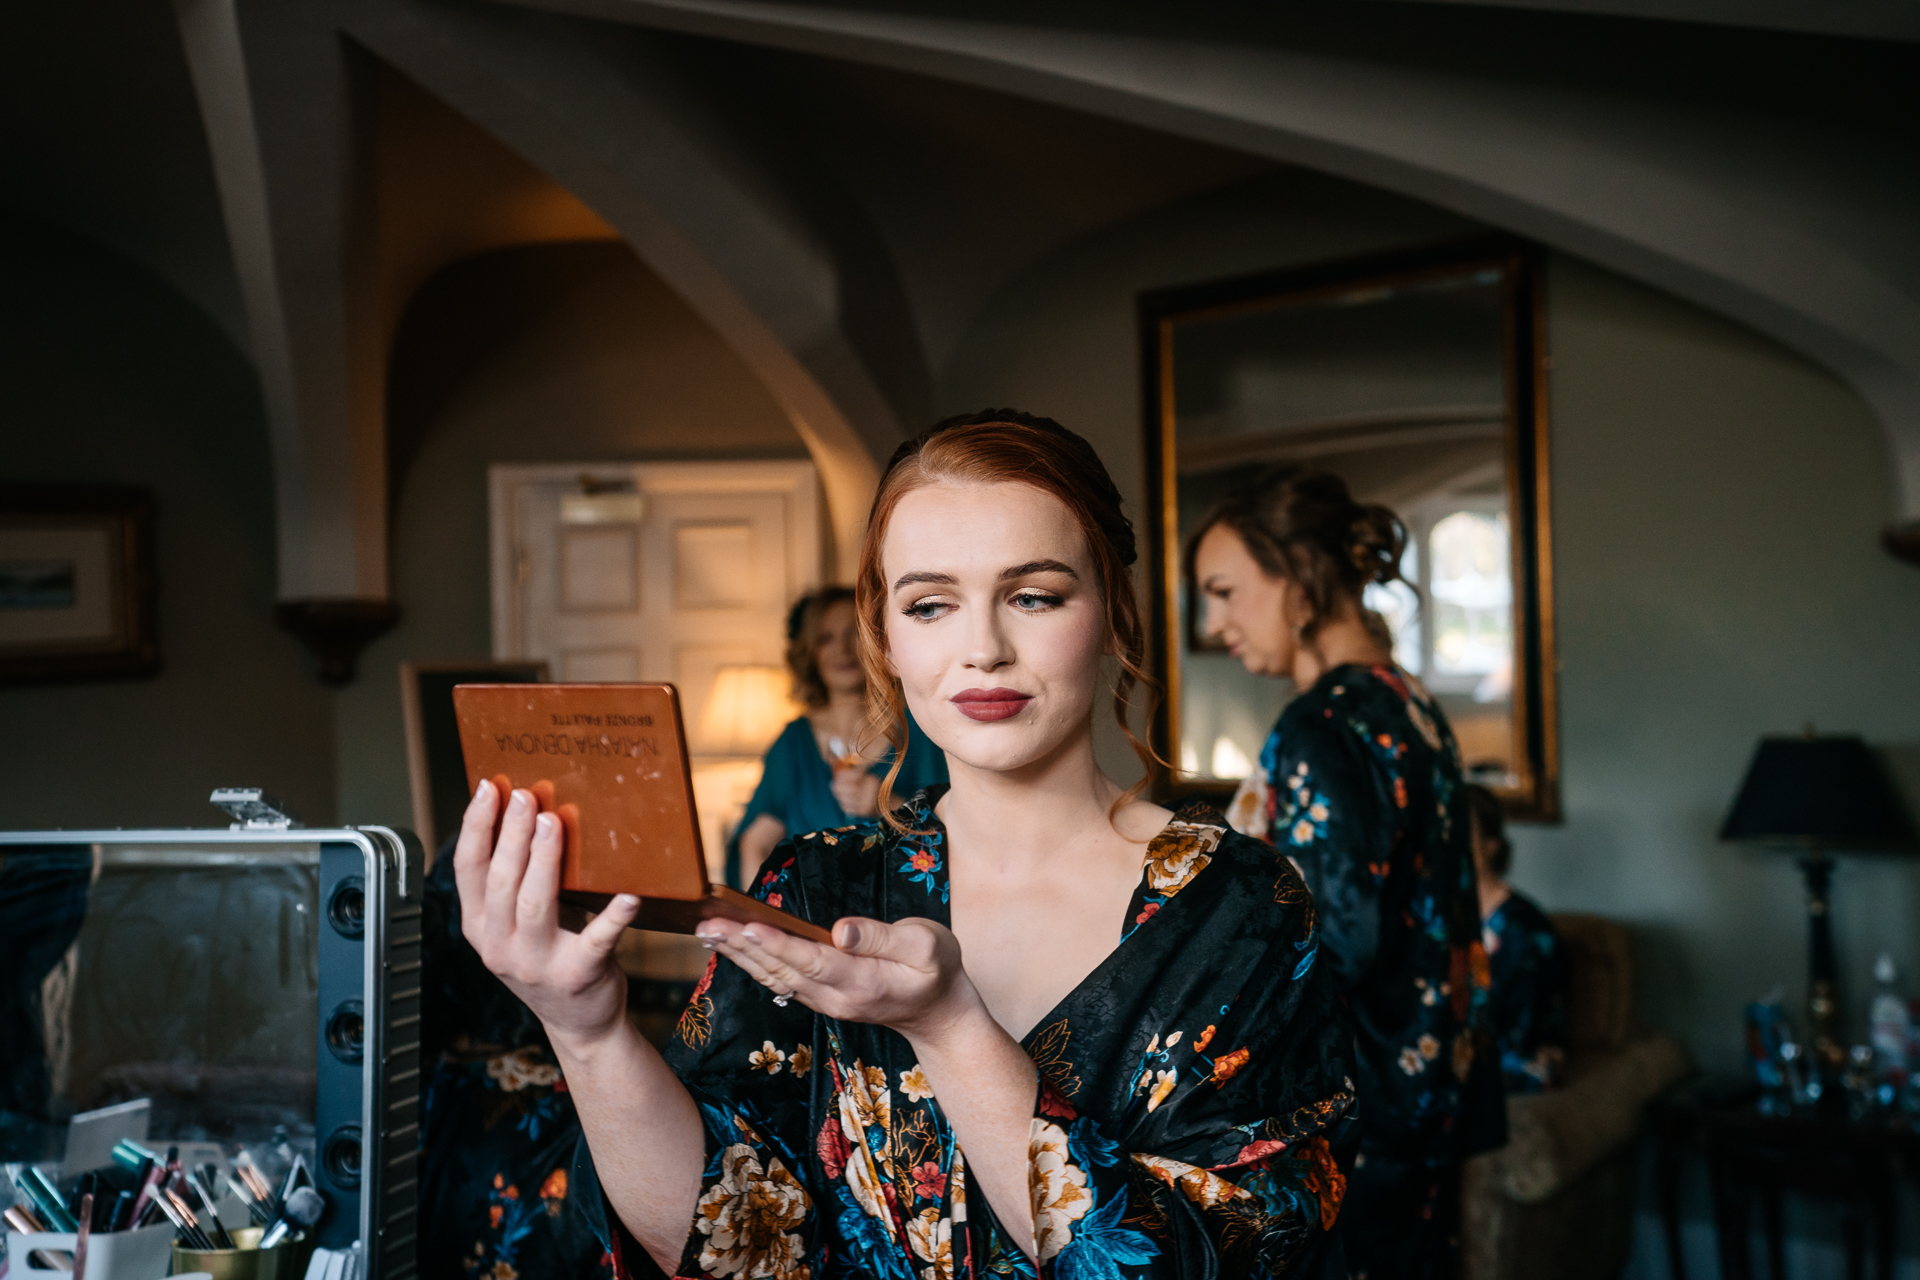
[(1420, 379)]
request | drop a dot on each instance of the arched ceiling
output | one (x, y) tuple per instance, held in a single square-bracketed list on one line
[(100, 134), (1768, 176), (839, 189), (448, 190)]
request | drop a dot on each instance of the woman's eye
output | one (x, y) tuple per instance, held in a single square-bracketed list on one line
[(925, 610), (1035, 601)]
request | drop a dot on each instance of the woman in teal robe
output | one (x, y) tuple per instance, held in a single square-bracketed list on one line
[(824, 769)]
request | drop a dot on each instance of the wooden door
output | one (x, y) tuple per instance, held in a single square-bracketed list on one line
[(656, 571)]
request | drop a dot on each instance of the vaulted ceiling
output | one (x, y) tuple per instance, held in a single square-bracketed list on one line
[(840, 189)]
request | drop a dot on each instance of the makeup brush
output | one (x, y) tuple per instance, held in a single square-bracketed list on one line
[(183, 1220), (120, 1217), (193, 1219), (204, 1240), (46, 1198), (21, 1219), (217, 1232), (144, 1213), (256, 1208), (259, 1196), (82, 1236), (171, 1214), (302, 1209), (297, 1176)]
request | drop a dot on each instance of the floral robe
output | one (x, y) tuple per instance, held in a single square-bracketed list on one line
[(498, 1129), (1362, 789), (1188, 1088), (1529, 994)]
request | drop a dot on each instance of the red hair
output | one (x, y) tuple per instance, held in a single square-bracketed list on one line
[(998, 446)]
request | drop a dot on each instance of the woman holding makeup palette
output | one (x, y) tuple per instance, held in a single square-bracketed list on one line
[(1059, 1031)]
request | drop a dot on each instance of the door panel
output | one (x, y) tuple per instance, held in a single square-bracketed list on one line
[(656, 571)]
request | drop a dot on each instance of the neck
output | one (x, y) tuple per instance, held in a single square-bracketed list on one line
[(1340, 641), (845, 717), (1063, 800), (843, 707), (1493, 892)]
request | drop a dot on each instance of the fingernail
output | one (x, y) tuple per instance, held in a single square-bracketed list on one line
[(852, 935), (626, 901), (544, 824), (521, 799), (481, 795)]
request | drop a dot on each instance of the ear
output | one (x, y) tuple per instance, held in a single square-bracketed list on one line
[(1296, 610)]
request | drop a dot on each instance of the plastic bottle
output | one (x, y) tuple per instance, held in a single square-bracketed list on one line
[(1888, 1018)]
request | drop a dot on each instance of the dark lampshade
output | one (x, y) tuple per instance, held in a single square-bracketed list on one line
[(1828, 790)]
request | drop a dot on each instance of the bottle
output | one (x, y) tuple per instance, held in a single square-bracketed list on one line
[(1889, 1019)]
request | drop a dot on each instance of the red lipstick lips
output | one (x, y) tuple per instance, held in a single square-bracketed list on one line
[(990, 704)]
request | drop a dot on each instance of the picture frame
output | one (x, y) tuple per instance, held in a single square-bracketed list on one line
[(1420, 376), (77, 583), (436, 770)]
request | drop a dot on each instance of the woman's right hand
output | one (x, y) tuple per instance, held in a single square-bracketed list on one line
[(856, 791), (509, 911)]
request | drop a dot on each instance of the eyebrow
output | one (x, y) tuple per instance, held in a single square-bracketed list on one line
[(1017, 571), (1038, 566)]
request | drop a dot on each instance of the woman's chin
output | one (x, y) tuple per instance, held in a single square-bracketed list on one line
[(995, 747)]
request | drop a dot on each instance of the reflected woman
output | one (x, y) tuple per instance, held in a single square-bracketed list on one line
[(1528, 958), (824, 769), (1359, 784), (1059, 1030)]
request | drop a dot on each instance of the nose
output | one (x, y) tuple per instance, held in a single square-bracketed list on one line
[(1213, 616), (989, 648)]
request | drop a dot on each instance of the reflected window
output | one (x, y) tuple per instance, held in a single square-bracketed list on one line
[(1399, 607), (1462, 641), (1472, 592)]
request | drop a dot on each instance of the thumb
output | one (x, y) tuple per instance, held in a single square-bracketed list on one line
[(858, 936)]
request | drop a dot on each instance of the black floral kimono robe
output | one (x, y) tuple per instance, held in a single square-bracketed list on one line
[(1188, 1088), (498, 1128), (1360, 785), (1529, 994), (1363, 791)]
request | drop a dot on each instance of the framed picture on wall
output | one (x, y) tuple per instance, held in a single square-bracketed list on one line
[(76, 583)]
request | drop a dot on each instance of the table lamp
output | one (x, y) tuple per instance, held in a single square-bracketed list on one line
[(746, 711), (1819, 793)]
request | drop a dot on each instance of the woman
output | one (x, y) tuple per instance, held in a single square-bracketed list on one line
[(1529, 963), (825, 767), (1360, 785), (1115, 1012)]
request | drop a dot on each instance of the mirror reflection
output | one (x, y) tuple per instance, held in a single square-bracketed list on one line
[(1414, 385)]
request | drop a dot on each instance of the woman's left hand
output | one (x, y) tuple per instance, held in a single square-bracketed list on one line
[(906, 975)]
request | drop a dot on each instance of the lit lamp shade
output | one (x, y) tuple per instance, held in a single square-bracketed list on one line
[(746, 711), (1826, 791)]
